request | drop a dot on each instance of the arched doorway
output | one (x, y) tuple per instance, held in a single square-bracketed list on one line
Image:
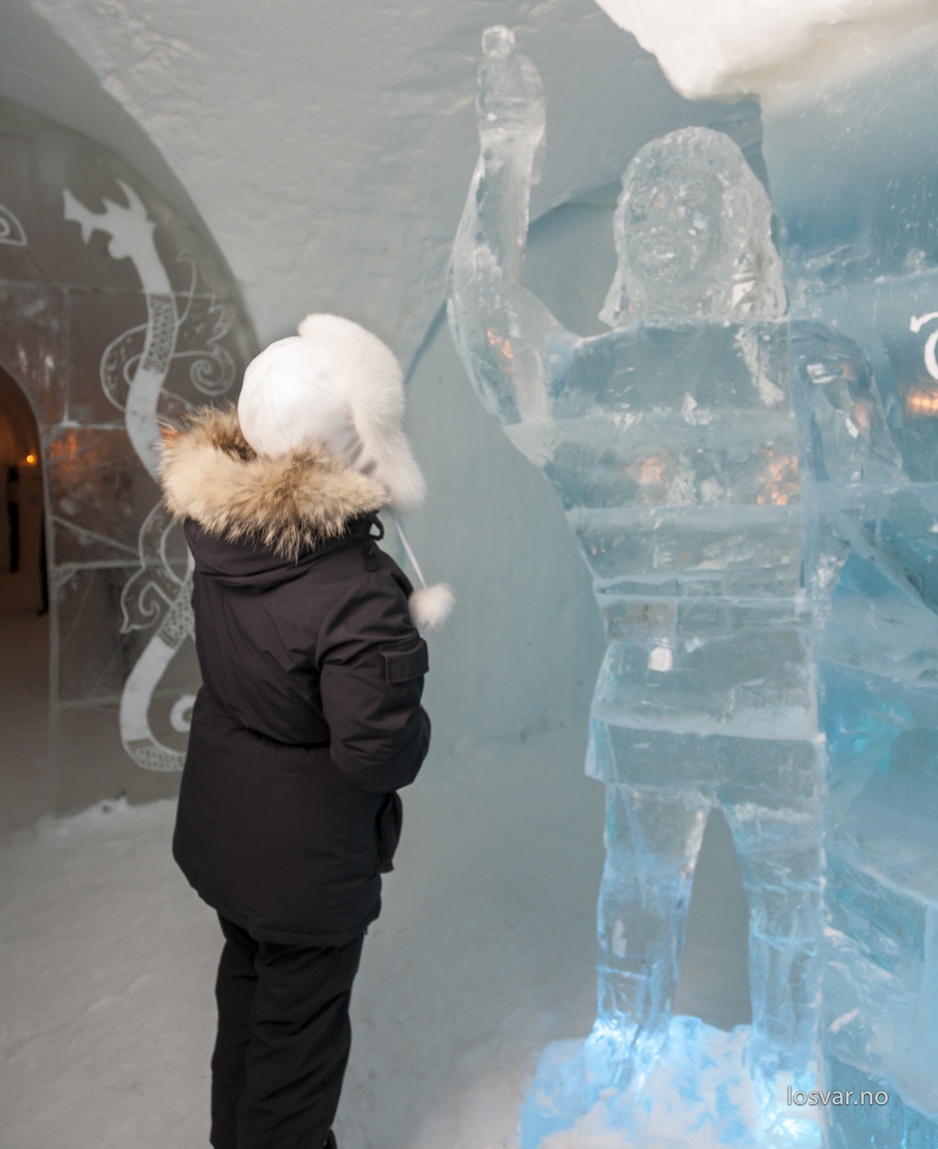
[(21, 502), (25, 789), (115, 313)]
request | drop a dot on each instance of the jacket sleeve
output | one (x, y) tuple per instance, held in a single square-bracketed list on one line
[(372, 663)]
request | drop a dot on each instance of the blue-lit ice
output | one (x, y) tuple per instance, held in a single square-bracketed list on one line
[(871, 472), (854, 173), (672, 442)]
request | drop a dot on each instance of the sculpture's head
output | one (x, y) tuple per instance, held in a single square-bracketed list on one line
[(693, 236)]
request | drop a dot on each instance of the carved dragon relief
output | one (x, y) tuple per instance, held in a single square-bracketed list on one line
[(133, 371)]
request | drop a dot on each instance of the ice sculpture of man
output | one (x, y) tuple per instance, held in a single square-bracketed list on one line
[(671, 442)]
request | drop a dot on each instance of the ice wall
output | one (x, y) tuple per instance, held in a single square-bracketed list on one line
[(115, 315), (855, 183)]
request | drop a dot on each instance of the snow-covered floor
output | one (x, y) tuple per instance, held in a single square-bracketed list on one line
[(483, 955)]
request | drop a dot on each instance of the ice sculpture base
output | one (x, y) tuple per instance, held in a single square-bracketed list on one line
[(697, 1096)]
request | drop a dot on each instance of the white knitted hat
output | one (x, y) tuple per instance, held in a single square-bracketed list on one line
[(338, 385)]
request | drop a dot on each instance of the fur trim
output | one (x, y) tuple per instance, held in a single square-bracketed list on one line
[(210, 474), (375, 393)]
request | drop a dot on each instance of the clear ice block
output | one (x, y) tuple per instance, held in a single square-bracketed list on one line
[(672, 443), (855, 182)]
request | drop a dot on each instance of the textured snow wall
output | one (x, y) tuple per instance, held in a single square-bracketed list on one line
[(327, 146)]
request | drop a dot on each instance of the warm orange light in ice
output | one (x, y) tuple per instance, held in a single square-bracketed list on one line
[(922, 401), (499, 343), (778, 480), (31, 459)]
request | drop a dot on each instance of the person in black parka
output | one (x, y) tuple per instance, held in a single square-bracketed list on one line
[(309, 718)]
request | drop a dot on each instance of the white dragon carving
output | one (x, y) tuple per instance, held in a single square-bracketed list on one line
[(134, 370)]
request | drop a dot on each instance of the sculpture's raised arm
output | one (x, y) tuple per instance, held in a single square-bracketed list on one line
[(503, 332)]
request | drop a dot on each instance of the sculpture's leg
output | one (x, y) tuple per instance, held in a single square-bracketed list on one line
[(652, 836), (780, 851)]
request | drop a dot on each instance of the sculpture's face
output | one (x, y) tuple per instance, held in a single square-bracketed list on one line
[(673, 231), (693, 236)]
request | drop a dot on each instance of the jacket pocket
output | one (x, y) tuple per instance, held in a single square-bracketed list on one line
[(403, 676), (389, 821)]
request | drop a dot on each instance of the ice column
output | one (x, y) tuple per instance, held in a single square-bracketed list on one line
[(672, 444), (855, 180)]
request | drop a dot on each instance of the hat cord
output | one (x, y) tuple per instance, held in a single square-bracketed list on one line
[(410, 553)]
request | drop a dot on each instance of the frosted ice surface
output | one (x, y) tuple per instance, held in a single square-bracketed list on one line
[(672, 443)]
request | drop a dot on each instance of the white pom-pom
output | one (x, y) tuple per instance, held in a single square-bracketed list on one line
[(430, 606)]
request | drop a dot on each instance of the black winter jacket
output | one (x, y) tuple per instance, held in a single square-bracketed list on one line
[(309, 716)]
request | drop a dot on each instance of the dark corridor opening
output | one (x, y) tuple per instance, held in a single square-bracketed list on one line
[(22, 550), (25, 786)]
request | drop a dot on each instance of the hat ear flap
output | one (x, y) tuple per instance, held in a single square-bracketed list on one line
[(374, 391)]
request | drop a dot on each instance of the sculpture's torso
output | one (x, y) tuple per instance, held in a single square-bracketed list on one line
[(674, 453)]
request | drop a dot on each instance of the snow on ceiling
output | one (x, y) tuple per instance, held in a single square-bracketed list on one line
[(781, 50)]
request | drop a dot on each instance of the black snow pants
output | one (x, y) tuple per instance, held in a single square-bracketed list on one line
[(283, 1041)]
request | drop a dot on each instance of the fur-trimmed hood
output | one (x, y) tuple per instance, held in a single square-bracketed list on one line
[(289, 505)]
